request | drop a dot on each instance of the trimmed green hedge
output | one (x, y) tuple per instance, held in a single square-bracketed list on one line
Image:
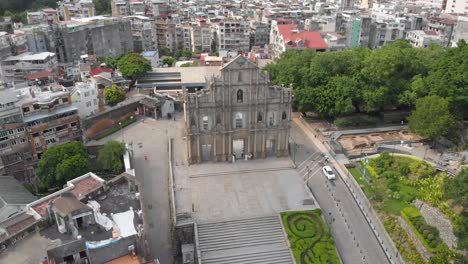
[(355, 121), (311, 242)]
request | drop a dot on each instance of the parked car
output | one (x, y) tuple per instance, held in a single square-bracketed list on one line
[(328, 172)]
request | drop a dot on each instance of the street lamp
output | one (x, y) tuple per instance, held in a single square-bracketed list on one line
[(123, 139)]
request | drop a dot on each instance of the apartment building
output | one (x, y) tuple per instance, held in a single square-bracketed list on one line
[(288, 36), (15, 153), (15, 68), (6, 24), (259, 34), (166, 34), (233, 35), (47, 15), (76, 8), (84, 96), (457, 6), (49, 116), (184, 37), (144, 33), (444, 27), (201, 35), (99, 36), (383, 33), (422, 39)]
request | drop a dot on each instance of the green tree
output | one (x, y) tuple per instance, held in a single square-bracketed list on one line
[(169, 61), (112, 62), (62, 163), (133, 65), (103, 7), (164, 51), (110, 157), (456, 189), (432, 118), (113, 94)]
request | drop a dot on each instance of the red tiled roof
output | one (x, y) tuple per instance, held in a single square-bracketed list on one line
[(17, 224), (85, 187), (99, 70), (432, 33), (312, 39), (41, 208), (39, 75)]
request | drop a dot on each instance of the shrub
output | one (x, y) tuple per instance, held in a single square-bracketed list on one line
[(343, 122), (430, 237), (433, 243), (412, 213), (114, 94), (426, 232)]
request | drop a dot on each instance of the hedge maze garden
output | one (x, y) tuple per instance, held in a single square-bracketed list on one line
[(310, 239)]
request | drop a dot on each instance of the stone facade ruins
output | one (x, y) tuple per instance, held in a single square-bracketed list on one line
[(241, 115)]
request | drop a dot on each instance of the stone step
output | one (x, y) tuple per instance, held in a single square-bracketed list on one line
[(226, 232), (267, 219), (240, 227), (242, 243), (280, 256), (241, 237)]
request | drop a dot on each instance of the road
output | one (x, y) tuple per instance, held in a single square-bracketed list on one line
[(353, 236)]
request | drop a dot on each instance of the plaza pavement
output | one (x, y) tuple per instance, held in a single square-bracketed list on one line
[(149, 140)]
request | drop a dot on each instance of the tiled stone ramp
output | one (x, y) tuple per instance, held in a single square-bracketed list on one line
[(257, 240)]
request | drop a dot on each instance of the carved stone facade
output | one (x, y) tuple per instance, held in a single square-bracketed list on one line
[(239, 116)]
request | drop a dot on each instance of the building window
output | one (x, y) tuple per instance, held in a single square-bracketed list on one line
[(64, 100), (86, 94), (21, 129), (25, 109), (218, 119), (259, 117), (239, 77), (238, 120), (284, 116), (88, 104), (36, 106), (240, 96), (205, 123)]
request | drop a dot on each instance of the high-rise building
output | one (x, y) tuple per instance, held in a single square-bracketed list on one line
[(457, 6)]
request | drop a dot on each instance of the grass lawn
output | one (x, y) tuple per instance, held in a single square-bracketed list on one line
[(311, 242), (358, 177), (394, 206)]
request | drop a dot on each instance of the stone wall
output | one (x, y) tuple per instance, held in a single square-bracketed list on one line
[(435, 217), (183, 234), (113, 250), (419, 246), (114, 113)]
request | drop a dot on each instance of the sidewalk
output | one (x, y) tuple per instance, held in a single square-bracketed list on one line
[(366, 208)]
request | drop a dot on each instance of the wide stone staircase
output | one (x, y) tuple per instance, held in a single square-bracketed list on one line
[(244, 241)]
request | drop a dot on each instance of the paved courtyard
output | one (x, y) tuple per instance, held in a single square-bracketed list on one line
[(149, 138), (223, 191), (30, 250)]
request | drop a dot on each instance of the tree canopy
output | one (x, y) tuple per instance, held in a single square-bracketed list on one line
[(113, 94), (62, 163), (110, 157), (432, 118), (334, 84), (133, 65), (456, 189), (169, 61)]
